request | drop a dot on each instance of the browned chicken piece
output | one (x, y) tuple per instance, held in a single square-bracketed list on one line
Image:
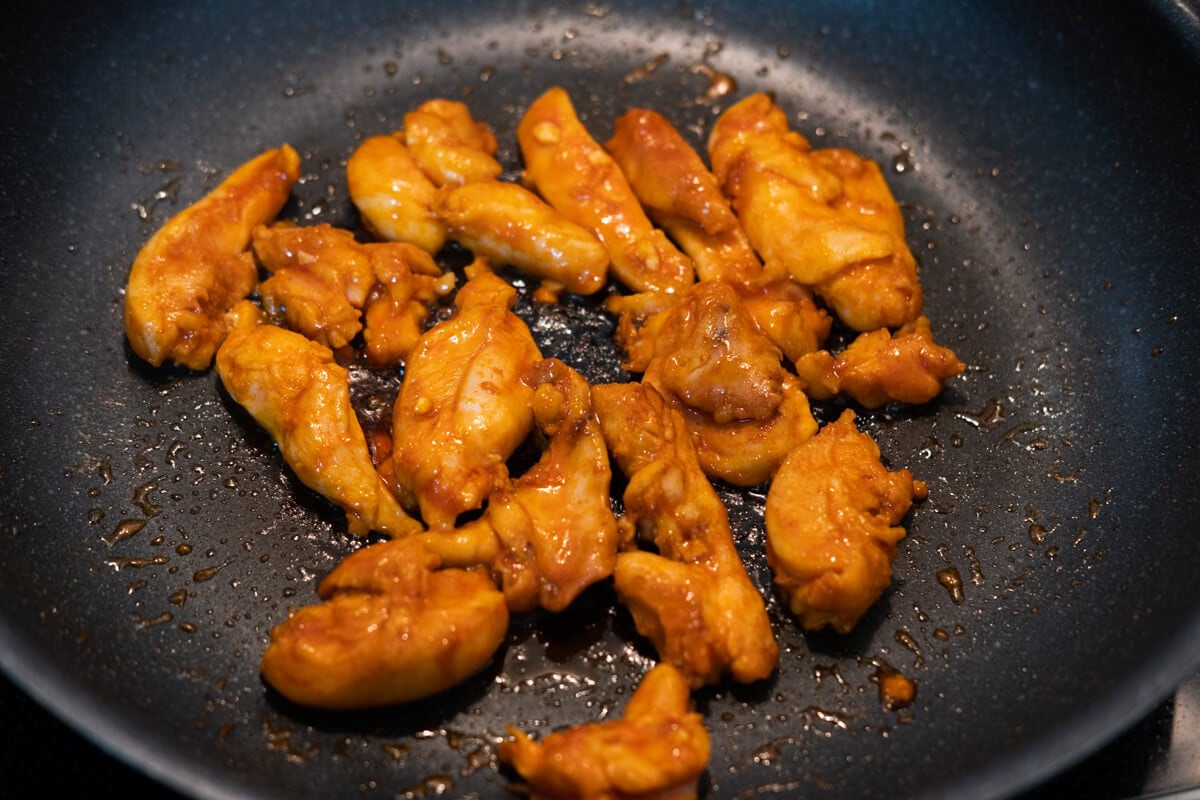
[(710, 354), (658, 749), (197, 266), (555, 524), (639, 322), (508, 224), (693, 599), (464, 405), (881, 367), (712, 363), (826, 218), (449, 145), (748, 452), (786, 314), (393, 195), (320, 279), (408, 281), (831, 517), (574, 174), (551, 533), (681, 195), (297, 392), (394, 627)]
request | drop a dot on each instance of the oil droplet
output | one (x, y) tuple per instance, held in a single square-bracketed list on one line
[(150, 622), (911, 644), (208, 573), (125, 528), (141, 498), (952, 582), (183, 549), (178, 597), (95, 516), (187, 627), (1037, 533), (941, 635), (644, 71), (991, 416), (720, 84), (434, 785)]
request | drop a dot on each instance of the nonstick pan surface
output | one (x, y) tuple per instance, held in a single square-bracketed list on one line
[(1046, 596)]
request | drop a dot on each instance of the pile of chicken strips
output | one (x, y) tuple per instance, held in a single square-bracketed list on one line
[(729, 275)]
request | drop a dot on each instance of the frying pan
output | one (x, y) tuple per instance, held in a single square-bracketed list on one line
[(1046, 596)]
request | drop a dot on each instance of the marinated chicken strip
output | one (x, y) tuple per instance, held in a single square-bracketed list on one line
[(321, 278), (881, 367), (464, 405), (408, 281), (555, 524), (748, 452), (711, 355), (393, 195), (693, 599), (197, 266), (297, 392), (831, 517), (567, 167), (508, 224), (394, 627), (681, 195), (551, 533), (448, 145), (786, 314), (712, 363), (826, 218), (658, 749)]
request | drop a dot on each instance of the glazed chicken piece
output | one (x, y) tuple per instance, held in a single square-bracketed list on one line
[(297, 392), (692, 599), (550, 533), (681, 195), (555, 524), (448, 144), (407, 282), (658, 749), (394, 626), (321, 278), (826, 218), (881, 367), (712, 363), (831, 517), (711, 355), (393, 195), (567, 167), (197, 266), (639, 322), (508, 224), (748, 452), (464, 405), (786, 314)]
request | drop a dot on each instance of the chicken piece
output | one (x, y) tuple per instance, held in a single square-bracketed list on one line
[(297, 392), (574, 174), (713, 365), (464, 406), (508, 224), (693, 599), (748, 452), (408, 281), (681, 195), (827, 218), (831, 518), (711, 355), (448, 144), (879, 367), (321, 277), (394, 627), (786, 314), (393, 195), (639, 322), (197, 266), (555, 524), (657, 750)]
